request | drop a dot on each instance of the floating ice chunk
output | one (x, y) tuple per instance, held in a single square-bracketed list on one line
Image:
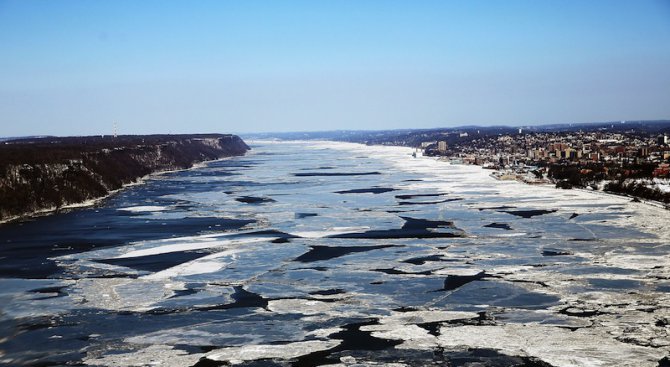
[(206, 264), (193, 243), (324, 333), (421, 317), (121, 293), (303, 306), (144, 208), (154, 355), (404, 326), (348, 359), (268, 351), (190, 335), (413, 337), (637, 262), (557, 346), (518, 234)]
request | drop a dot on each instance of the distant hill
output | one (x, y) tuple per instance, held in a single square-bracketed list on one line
[(414, 137), (48, 173), (5, 138)]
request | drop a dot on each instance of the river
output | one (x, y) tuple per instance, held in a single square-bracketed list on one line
[(324, 253)]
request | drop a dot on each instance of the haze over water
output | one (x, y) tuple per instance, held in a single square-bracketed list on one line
[(315, 253)]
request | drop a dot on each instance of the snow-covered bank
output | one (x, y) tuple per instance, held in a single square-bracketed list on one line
[(475, 177)]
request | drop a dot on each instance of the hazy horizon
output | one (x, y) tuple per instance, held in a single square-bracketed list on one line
[(76, 67), (269, 132)]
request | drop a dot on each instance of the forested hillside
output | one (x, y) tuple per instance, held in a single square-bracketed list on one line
[(49, 173)]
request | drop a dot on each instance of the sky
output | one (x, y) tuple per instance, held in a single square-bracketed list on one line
[(82, 67)]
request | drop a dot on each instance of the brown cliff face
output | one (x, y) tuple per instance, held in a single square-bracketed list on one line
[(49, 173)]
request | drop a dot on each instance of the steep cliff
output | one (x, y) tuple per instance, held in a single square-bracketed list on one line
[(49, 173)]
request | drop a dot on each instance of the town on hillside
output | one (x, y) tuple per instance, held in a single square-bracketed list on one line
[(633, 162)]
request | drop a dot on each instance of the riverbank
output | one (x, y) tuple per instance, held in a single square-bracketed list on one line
[(42, 176), (500, 175), (96, 201), (477, 180), (525, 179)]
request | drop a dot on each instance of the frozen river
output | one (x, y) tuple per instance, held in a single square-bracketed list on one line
[(320, 253)]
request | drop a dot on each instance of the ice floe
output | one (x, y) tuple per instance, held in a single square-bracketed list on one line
[(153, 355), (559, 347), (270, 351)]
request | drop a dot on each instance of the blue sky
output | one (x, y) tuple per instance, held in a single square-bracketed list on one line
[(75, 67)]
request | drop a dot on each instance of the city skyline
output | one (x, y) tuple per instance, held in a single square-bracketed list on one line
[(75, 68)]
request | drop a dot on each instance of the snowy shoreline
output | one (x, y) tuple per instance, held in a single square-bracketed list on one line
[(409, 151), (401, 158), (93, 202)]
